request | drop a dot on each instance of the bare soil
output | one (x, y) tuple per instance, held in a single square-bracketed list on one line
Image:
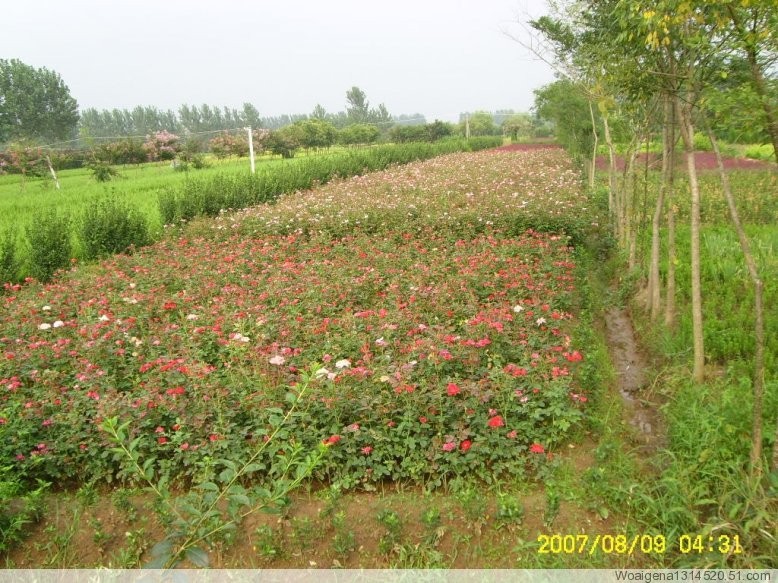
[(640, 407)]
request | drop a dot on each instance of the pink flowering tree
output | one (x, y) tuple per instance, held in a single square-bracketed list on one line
[(162, 145)]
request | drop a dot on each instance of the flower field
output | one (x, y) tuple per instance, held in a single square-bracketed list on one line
[(423, 327), (462, 193)]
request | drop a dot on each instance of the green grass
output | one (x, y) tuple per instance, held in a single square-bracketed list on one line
[(138, 185), (701, 480)]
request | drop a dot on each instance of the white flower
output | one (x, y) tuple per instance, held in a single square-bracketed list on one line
[(44, 326), (277, 360), (104, 318), (381, 341), (58, 324), (240, 337), (192, 316), (518, 309), (343, 363), (46, 308), (540, 321)]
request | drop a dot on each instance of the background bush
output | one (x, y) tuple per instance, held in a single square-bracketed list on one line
[(8, 259), (112, 227), (49, 238)]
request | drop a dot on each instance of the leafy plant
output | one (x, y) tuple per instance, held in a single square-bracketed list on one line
[(9, 263), (103, 171), (197, 518), (110, 227), (20, 506), (48, 236)]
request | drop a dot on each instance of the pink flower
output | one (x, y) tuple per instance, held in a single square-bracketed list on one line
[(422, 419), (367, 449), (537, 448), (512, 434), (452, 389), (353, 427), (449, 446)]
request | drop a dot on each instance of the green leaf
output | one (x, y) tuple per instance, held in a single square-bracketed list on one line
[(208, 486), (163, 548), (240, 499), (197, 556), (226, 475)]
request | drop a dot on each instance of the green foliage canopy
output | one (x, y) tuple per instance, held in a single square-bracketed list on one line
[(35, 104)]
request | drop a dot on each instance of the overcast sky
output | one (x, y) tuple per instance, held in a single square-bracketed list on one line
[(435, 57)]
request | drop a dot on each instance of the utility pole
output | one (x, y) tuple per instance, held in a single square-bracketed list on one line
[(251, 148)]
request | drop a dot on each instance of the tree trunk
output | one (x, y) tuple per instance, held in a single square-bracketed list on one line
[(654, 297), (627, 197), (594, 149), (687, 132), (756, 437), (671, 258), (611, 160), (629, 213)]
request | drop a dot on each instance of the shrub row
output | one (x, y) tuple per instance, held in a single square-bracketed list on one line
[(112, 226), (210, 196), (106, 228)]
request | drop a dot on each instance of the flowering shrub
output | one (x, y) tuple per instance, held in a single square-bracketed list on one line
[(126, 151), (417, 338), (161, 146), (442, 349), (225, 145)]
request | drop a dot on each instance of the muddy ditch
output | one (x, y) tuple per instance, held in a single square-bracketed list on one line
[(631, 366)]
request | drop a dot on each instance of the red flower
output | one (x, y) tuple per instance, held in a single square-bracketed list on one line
[(574, 356), (537, 448), (496, 421), (465, 445), (452, 389), (170, 305), (516, 371), (331, 440), (422, 419), (162, 440)]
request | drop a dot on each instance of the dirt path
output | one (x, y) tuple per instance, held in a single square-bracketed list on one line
[(630, 364)]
